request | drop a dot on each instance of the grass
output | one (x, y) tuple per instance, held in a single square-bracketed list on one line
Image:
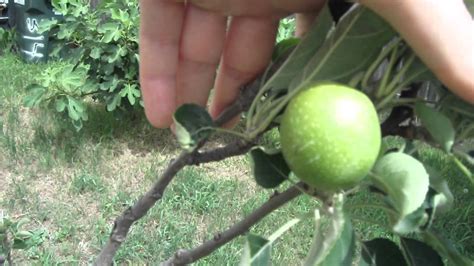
[(73, 184)]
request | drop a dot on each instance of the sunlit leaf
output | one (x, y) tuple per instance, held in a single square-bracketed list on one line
[(192, 124), (130, 91), (404, 179)]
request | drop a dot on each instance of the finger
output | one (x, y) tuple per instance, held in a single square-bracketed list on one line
[(201, 48), (160, 30), (258, 8), (441, 33), (304, 21), (247, 52)]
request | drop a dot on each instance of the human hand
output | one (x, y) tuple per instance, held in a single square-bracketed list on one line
[(181, 46), (442, 35)]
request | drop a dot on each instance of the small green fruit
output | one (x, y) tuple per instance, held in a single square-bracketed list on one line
[(330, 136)]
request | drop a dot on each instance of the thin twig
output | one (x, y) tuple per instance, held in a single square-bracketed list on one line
[(182, 257)]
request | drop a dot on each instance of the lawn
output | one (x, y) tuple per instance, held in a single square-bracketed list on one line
[(71, 185)]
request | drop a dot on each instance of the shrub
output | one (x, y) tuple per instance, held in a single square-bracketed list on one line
[(101, 45)]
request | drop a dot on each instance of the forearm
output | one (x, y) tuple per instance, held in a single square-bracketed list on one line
[(440, 32)]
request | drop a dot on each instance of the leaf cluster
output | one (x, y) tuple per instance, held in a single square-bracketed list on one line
[(13, 236), (365, 52)]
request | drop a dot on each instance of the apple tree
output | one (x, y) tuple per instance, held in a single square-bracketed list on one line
[(334, 96)]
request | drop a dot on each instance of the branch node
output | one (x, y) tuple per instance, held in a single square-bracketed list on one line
[(217, 236), (157, 195), (275, 193)]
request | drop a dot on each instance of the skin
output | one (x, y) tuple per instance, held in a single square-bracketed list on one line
[(182, 45)]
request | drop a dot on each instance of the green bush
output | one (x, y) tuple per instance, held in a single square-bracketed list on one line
[(101, 46)]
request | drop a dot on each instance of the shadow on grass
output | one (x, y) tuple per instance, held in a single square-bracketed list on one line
[(129, 128)]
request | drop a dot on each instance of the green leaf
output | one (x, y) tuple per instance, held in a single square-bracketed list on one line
[(115, 53), (192, 124), (420, 254), (66, 31), (283, 47), (349, 49), (381, 252), (111, 32), (418, 72), (404, 180), (34, 95), (269, 170), (113, 102), (110, 83), (421, 219), (412, 222), (96, 52), (445, 198), (72, 78), (470, 6), (76, 109), (60, 105), (454, 104), (19, 244), (439, 126), (445, 247), (303, 52), (343, 249), (46, 25), (130, 91), (256, 251), (77, 124)]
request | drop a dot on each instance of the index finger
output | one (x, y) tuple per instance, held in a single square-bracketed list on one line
[(160, 31)]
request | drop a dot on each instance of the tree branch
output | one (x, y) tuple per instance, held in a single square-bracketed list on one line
[(182, 257), (123, 223)]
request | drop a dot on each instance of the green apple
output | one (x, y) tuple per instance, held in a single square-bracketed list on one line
[(330, 136)]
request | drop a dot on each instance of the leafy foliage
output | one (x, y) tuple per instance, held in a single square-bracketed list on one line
[(287, 29), (13, 235), (7, 40), (104, 41), (63, 87), (363, 51)]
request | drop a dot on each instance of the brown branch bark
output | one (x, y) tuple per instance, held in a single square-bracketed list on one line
[(123, 223), (182, 257)]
